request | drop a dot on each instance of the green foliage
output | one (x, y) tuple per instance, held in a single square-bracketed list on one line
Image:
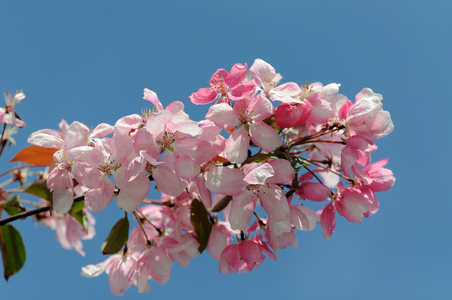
[(221, 204), (12, 249), (39, 188), (12, 206), (117, 237), (298, 163), (79, 214), (199, 218)]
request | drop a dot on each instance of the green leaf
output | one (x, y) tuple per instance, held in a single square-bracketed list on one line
[(259, 157), (294, 186), (39, 188), (200, 220), (12, 206), (221, 204), (12, 249), (278, 154), (117, 237), (298, 163), (79, 214)]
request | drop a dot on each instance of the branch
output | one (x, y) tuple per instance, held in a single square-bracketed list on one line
[(33, 212), (24, 215)]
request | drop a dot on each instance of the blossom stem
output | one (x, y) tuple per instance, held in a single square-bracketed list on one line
[(163, 203), (332, 142), (141, 225), (1, 141), (316, 177), (329, 170), (18, 168), (259, 220), (307, 139), (159, 230)]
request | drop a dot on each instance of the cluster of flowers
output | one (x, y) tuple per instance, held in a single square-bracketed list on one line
[(246, 171), (8, 117)]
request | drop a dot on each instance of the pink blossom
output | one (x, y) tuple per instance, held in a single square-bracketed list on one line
[(326, 102), (291, 114), (155, 264), (60, 179), (280, 241), (379, 179), (225, 85), (259, 183), (303, 218), (219, 239), (250, 114), (367, 118), (69, 231), (120, 269), (353, 203), (356, 203), (266, 77), (328, 219), (244, 256), (7, 113), (357, 150), (181, 248)]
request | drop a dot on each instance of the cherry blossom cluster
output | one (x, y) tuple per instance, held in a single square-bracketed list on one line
[(238, 183)]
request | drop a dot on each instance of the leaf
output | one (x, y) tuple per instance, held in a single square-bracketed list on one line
[(221, 159), (12, 206), (278, 154), (12, 249), (298, 163), (221, 204), (79, 214), (200, 220), (117, 237), (259, 157), (293, 187), (35, 155), (39, 189)]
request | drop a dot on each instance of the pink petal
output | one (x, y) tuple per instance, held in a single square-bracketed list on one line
[(167, 182), (264, 136), (203, 96), (98, 199), (152, 96), (225, 181), (283, 171), (237, 145), (259, 174), (101, 130), (242, 208), (48, 138), (61, 182), (219, 239), (222, 115), (156, 123), (303, 218), (289, 89), (352, 205), (313, 191), (241, 92), (262, 72), (77, 135), (236, 75), (132, 193), (328, 220)]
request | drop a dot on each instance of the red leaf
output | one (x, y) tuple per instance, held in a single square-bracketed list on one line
[(35, 155)]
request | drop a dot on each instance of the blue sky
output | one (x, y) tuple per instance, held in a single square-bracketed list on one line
[(90, 60)]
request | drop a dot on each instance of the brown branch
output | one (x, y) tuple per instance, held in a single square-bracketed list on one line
[(24, 215), (32, 212)]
